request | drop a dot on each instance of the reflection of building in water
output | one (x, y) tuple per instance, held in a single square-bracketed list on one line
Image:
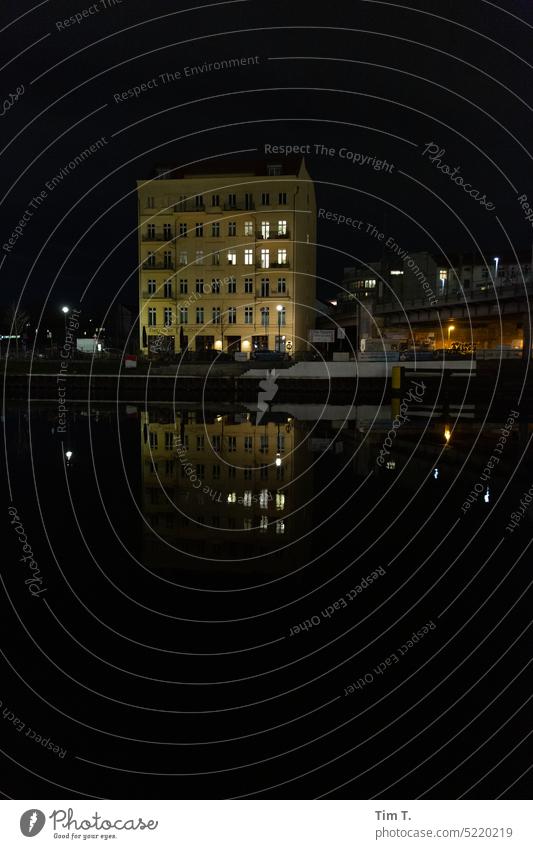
[(221, 486)]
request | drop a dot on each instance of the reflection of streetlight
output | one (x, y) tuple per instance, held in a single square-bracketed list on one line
[(450, 328), (496, 261), (447, 433), (279, 309), (278, 459), (68, 455)]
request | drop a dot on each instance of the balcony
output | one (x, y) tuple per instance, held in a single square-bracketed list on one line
[(274, 234), (158, 266), (280, 264), (158, 236), (188, 206)]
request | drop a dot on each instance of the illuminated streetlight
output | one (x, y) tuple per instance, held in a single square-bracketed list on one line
[(447, 433), (280, 310), (278, 459), (65, 310), (450, 328), (496, 261), (68, 455)]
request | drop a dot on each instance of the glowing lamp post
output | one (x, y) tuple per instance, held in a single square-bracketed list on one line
[(280, 310)]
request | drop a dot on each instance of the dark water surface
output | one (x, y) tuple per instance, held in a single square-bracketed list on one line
[(231, 608)]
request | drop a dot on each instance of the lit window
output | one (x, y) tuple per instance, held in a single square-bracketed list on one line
[(199, 258), (263, 498), (265, 258), (280, 526), (282, 228), (184, 315), (248, 256), (263, 524), (232, 497), (248, 228), (280, 500), (232, 257), (395, 272), (183, 260), (265, 229), (247, 499)]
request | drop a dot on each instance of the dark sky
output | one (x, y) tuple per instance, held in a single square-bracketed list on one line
[(380, 79)]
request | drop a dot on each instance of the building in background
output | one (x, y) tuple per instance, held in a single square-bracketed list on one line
[(227, 257)]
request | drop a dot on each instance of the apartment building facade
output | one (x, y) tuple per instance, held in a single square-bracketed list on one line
[(227, 258)]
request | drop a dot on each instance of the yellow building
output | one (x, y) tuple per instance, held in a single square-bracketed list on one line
[(227, 257), (220, 483)]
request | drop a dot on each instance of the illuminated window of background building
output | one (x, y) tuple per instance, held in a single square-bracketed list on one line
[(248, 228), (370, 284), (265, 257), (280, 526), (232, 228), (199, 260), (282, 317), (282, 256), (265, 229), (232, 257), (443, 277), (263, 524), (248, 256), (183, 260), (280, 500), (247, 498), (282, 228), (263, 498), (232, 285), (395, 272), (232, 497)]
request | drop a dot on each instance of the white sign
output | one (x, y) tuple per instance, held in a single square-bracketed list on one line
[(321, 336)]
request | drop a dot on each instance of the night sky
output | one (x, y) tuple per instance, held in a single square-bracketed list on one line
[(379, 79)]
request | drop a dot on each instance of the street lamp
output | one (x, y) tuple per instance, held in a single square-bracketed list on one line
[(280, 310), (68, 455), (496, 261), (450, 328), (65, 310)]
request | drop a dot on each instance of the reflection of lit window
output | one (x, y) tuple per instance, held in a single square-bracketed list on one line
[(280, 500), (232, 497), (443, 277), (391, 464), (280, 526), (263, 498), (395, 272), (263, 524), (247, 499), (247, 524)]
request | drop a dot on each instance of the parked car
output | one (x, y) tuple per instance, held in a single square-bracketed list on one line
[(266, 354)]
